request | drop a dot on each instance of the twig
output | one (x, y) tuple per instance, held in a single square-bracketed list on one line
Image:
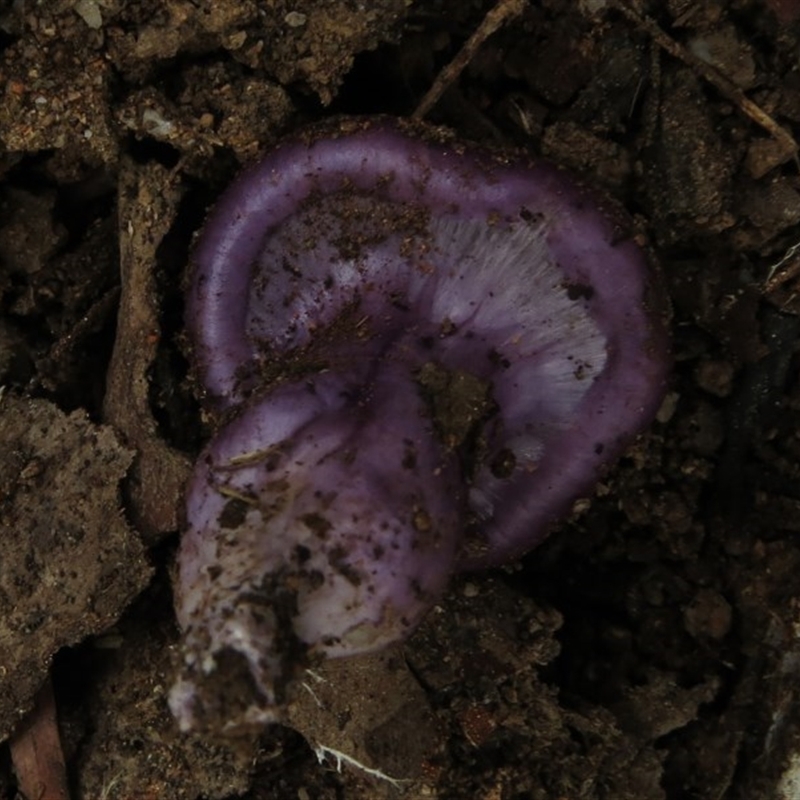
[(504, 11), (36, 751), (782, 285), (89, 322), (710, 73)]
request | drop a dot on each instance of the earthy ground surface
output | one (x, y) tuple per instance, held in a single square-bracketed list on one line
[(650, 649)]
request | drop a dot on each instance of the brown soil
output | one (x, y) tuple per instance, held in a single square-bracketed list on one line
[(649, 649)]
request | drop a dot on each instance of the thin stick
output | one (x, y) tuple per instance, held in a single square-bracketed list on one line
[(504, 11), (91, 320), (710, 73)]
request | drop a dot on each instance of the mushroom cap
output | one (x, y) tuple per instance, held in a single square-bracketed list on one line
[(373, 235), (421, 353)]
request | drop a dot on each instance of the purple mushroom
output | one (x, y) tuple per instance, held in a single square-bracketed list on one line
[(421, 354)]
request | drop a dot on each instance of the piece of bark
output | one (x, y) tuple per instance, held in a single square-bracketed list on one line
[(148, 199), (36, 751)]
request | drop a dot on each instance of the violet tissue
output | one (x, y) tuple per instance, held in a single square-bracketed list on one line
[(423, 353)]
